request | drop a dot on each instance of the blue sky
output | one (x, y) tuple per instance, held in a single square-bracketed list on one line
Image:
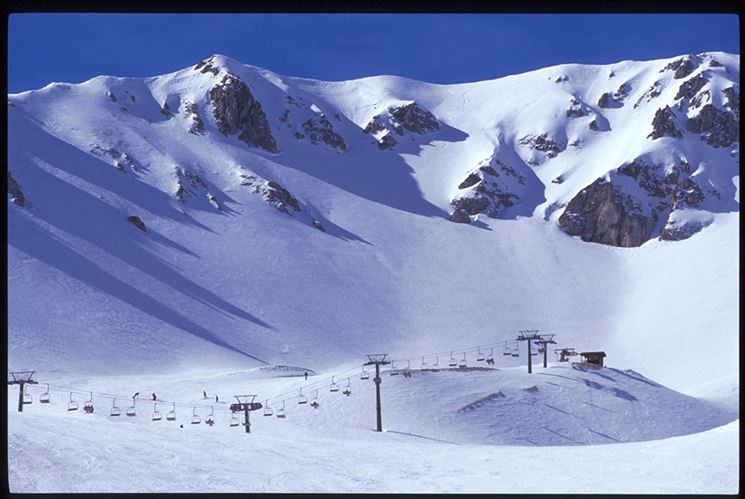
[(439, 48)]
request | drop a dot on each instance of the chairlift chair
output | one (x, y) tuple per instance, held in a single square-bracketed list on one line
[(27, 398), (302, 399), (281, 411), (453, 362), (171, 415), (436, 366), (234, 421), (131, 410), (45, 397), (490, 357), (407, 370), (72, 405), (157, 416), (507, 350), (88, 407), (424, 363), (115, 411), (210, 420), (348, 389), (267, 410), (394, 371), (515, 351), (195, 419), (462, 362), (334, 386), (364, 374), (480, 357), (314, 403)]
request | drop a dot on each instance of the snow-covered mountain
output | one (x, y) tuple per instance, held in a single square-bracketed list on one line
[(227, 215)]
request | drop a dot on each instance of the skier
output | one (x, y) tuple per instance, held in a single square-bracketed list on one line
[(155, 397), (306, 374), (217, 398), (204, 393)]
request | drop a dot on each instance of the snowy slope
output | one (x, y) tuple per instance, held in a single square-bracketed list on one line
[(436, 426), (229, 273)]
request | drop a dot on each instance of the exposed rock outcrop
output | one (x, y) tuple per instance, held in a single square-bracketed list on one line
[(652, 92), (237, 111), (489, 189), (189, 185), (689, 88), (677, 230), (319, 129), (663, 124), (137, 222), (577, 109), (606, 212), (718, 128), (272, 193), (682, 67), (197, 125), (15, 191), (414, 118), (121, 160)]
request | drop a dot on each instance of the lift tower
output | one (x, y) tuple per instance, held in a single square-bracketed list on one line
[(377, 359)]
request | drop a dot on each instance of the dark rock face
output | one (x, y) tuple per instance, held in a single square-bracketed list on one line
[(460, 216), (318, 225), (319, 129), (663, 124), (472, 179), (14, 189), (605, 100), (652, 92), (236, 111), (718, 128), (280, 198), (542, 143), (577, 109), (137, 222), (732, 101), (188, 184), (682, 67), (197, 125), (492, 187), (166, 110), (689, 88), (122, 161), (600, 213), (387, 142), (376, 125), (414, 118), (604, 213), (111, 96), (207, 66), (677, 231)]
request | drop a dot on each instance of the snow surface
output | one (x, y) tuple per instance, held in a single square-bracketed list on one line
[(207, 296)]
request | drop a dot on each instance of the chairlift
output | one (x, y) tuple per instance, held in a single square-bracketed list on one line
[(424, 363), (302, 399), (115, 411), (334, 386), (407, 370), (394, 371), (314, 403), (348, 389), (88, 406), (507, 349), (156, 415), (195, 419), (72, 405), (364, 374), (234, 421), (436, 366), (462, 362), (281, 411), (480, 357), (27, 398), (210, 420), (131, 410), (45, 397), (515, 351), (171, 415), (490, 357), (267, 410), (453, 362)]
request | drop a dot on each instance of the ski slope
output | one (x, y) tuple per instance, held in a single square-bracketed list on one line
[(226, 293)]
